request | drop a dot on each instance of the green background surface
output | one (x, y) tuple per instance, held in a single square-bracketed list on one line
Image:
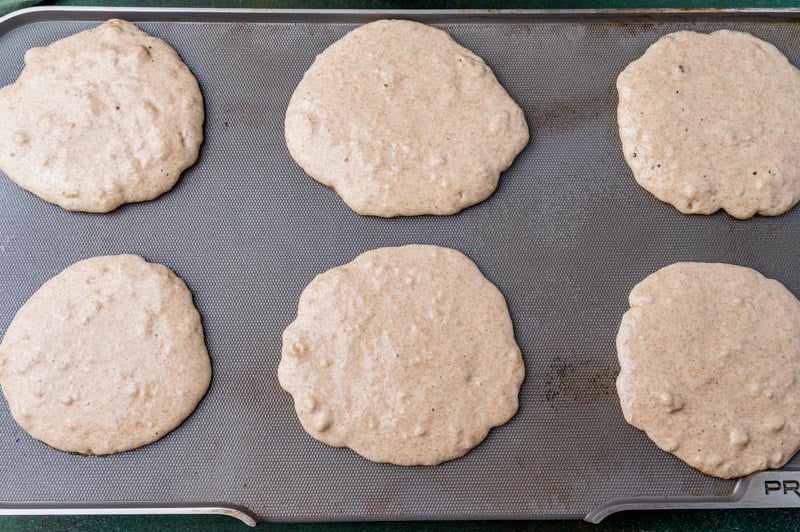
[(673, 520), (772, 519)]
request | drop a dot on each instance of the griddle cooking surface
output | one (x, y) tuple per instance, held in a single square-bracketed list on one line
[(565, 237)]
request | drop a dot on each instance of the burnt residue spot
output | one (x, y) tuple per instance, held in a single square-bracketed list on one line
[(680, 67), (574, 380), (557, 380), (568, 113), (604, 382)]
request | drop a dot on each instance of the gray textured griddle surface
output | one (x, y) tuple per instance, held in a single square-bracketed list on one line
[(565, 237)]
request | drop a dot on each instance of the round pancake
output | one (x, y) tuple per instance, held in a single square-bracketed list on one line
[(401, 120), (104, 117), (105, 357), (406, 355), (708, 122), (710, 357)]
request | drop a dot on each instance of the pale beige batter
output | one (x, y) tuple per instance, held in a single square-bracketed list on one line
[(104, 117), (710, 359), (709, 122), (401, 120), (106, 356), (406, 355)]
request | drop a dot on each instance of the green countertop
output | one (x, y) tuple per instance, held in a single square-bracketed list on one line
[(772, 519), (673, 520)]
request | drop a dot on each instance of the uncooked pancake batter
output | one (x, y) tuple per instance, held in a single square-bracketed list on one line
[(406, 355), (710, 358), (106, 356), (709, 122), (401, 120), (104, 117)]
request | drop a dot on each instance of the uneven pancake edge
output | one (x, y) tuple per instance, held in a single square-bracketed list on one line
[(107, 356), (400, 120), (706, 122), (709, 358), (405, 355), (107, 116)]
